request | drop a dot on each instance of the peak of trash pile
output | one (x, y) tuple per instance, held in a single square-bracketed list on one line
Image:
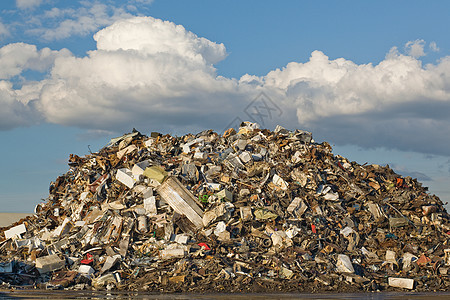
[(247, 211)]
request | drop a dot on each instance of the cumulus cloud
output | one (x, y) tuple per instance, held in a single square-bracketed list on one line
[(84, 20), (16, 113), (150, 37), (398, 102), (148, 73), (415, 48), (18, 105), (144, 71), (28, 4), (18, 57)]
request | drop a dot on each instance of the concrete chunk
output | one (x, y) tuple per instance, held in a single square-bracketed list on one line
[(49, 263)]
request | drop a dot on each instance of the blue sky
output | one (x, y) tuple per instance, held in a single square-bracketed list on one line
[(372, 79)]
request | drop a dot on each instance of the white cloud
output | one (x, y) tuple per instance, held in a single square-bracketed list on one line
[(415, 48), (56, 12), (18, 57), (144, 69), (18, 106), (27, 4), (434, 47), (150, 37), (81, 21), (144, 1), (398, 102), (148, 73), (3, 30), (15, 113)]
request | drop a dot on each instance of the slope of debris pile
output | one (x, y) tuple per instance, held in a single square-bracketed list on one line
[(246, 211)]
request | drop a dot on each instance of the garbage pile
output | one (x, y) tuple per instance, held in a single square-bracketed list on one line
[(247, 211)]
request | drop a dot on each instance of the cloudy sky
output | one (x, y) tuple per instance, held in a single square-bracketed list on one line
[(371, 79)]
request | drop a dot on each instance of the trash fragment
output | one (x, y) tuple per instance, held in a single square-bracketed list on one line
[(401, 283), (15, 232), (49, 263), (181, 200), (155, 172), (86, 270), (125, 176), (344, 265)]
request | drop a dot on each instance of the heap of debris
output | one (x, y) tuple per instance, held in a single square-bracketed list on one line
[(252, 210)]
